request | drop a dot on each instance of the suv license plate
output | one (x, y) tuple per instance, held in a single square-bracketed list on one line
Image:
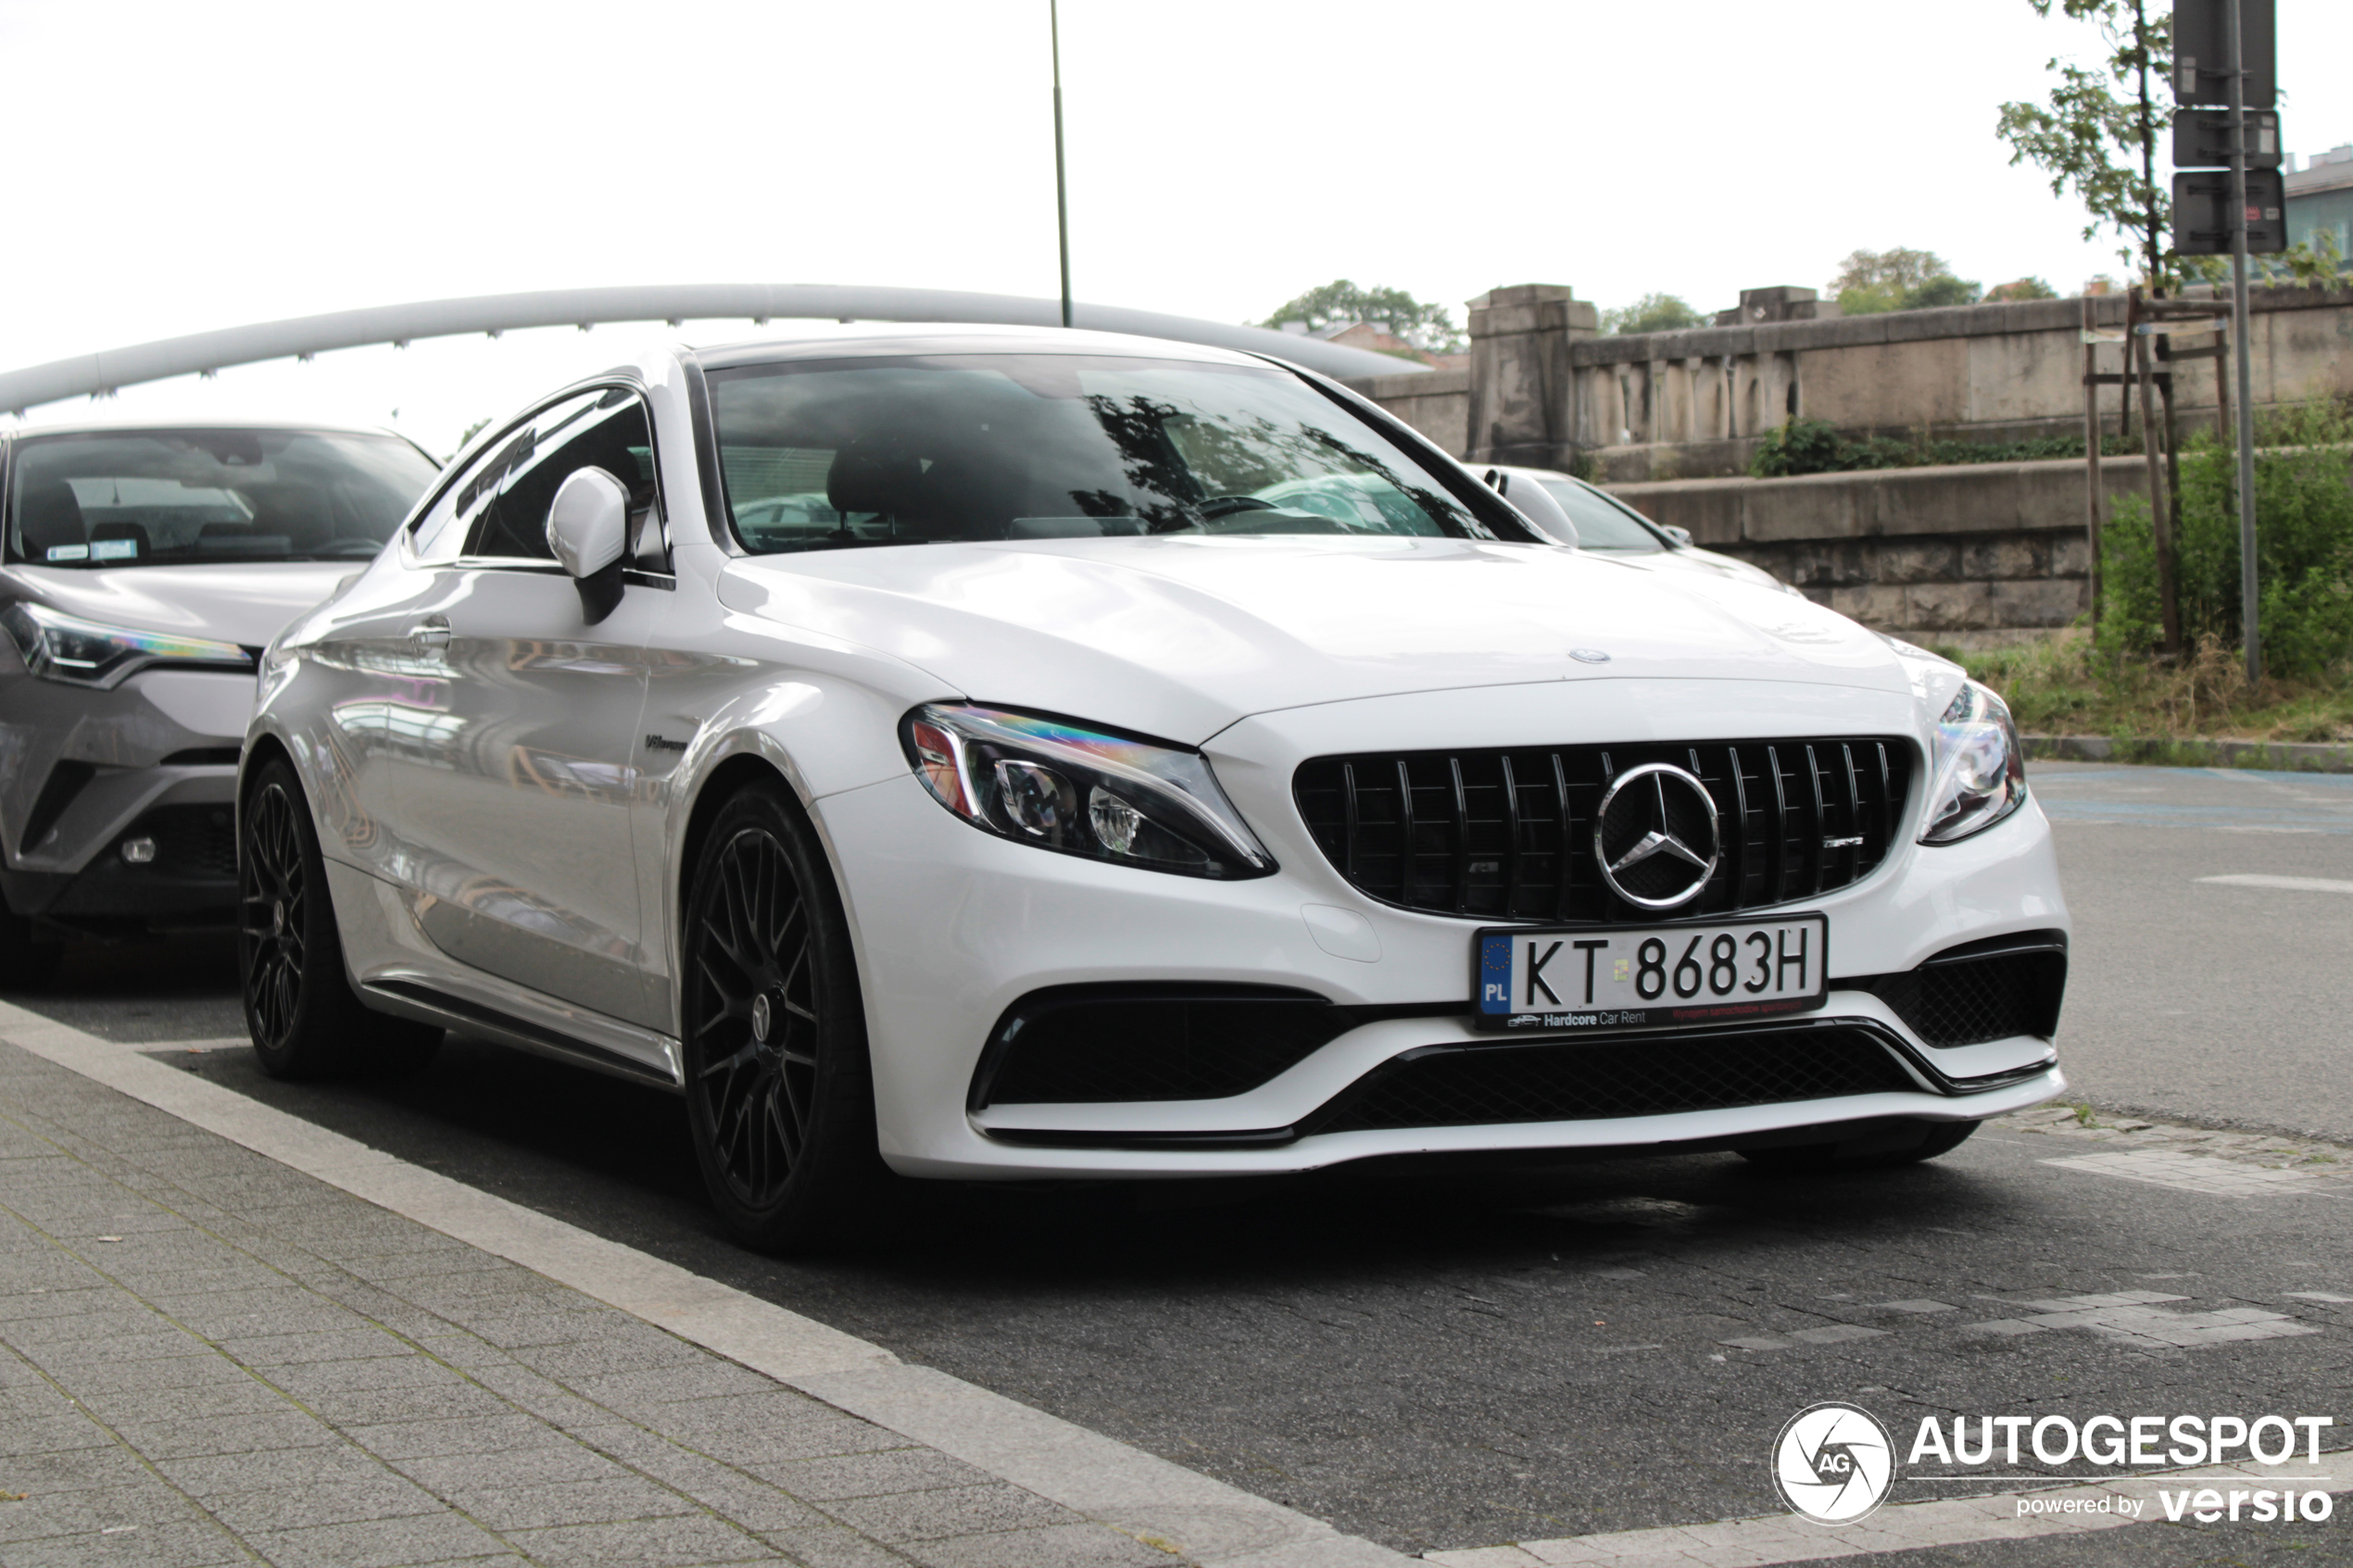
[(1588, 978)]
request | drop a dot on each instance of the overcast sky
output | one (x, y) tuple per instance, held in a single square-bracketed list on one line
[(177, 168)]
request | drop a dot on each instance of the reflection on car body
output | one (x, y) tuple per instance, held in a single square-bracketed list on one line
[(1009, 755)]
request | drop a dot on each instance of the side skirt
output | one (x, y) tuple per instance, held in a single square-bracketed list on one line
[(407, 998)]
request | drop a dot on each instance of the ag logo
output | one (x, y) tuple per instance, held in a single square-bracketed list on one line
[(1833, 1463)]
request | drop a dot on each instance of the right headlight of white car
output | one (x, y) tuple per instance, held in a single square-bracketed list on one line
[(1979, 766), (1080, 791)]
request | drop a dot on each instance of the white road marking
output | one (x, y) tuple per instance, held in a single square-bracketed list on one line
[(2139, 1318), (2289, 884), (1107, 1480), (2197, 1172), (1784, 1537), (2328, 1295)]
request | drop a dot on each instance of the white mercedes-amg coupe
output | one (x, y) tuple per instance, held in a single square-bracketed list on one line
[(976, 753)]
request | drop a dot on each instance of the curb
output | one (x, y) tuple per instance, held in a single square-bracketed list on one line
[(2284, 756), (1195, 1518)]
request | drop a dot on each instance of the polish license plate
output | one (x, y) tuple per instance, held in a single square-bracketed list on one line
[(1588, 978)]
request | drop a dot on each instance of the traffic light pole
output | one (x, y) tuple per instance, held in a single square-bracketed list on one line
[(2249, 596)]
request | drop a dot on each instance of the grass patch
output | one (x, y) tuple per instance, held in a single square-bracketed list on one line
[(2068, 687)]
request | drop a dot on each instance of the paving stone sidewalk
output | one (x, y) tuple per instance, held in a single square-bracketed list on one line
[(209, 1358)]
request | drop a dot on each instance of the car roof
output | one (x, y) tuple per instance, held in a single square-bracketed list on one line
[(103, 426), (932, 338)]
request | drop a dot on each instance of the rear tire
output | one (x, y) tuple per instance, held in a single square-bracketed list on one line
[(779, 1092), (25, 964), (305, 1019), (1883, 1151)]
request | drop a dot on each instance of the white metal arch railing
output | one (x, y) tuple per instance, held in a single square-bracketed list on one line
[(85, 375)]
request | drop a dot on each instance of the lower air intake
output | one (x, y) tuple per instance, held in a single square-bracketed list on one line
[(1576, 1080)]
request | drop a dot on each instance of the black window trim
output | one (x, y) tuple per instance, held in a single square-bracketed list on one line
[(488, 440)]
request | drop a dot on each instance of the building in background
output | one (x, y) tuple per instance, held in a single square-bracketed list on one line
[(2320, 197)]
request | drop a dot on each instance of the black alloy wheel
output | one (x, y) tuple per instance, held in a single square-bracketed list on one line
[(271, 885), (778, 1093), (305, 1020)]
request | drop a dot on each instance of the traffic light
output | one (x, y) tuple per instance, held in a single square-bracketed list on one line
[(2202, 212)]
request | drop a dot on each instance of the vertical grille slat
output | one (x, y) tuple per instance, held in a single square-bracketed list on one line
[(1818, 857), (1507, 835), (1563, 858), (1514, 850)]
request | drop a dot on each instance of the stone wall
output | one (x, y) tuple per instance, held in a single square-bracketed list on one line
[(1986, 547), (1665, 419), (1546, 388)]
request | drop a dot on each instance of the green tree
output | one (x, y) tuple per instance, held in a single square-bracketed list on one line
[(1653, 313), (2097, 133), (2024, 288), (1338, 303), (1869, 282)]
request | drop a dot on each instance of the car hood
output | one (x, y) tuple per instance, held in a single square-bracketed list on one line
[(1180, 636), (1702, 563), (232, 604)]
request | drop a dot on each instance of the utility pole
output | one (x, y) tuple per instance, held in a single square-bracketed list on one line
[(1061, 196), (2250, 598), (2240, 209)]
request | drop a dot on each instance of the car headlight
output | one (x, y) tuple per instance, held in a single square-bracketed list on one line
[(57, 646), (1980, 768), (1061, 787)]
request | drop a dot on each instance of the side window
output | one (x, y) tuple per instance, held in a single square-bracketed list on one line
[(504, 501)]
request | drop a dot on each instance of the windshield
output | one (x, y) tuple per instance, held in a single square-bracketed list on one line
[(909, 451), (169, 497), (1601, 523)]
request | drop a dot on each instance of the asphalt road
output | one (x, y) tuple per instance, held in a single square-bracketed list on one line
[(1442, 1359)]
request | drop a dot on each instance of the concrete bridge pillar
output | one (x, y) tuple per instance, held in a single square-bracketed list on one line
[(1523, 396)]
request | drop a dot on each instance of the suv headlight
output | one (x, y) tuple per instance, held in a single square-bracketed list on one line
[(1061, 787), (57, 646), (1980, 768)]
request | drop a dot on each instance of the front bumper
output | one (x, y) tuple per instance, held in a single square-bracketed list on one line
[(955, 926), (82, 772)]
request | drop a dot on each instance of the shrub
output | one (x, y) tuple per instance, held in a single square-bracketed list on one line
[(2304, 538)]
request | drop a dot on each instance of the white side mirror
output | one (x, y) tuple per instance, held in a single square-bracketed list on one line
[(588, 523), (1680, 535)]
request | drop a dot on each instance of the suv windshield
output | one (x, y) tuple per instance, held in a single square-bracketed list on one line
[(909, 451), (1601, 523), (159, 497)]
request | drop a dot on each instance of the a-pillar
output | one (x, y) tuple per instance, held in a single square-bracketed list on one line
[(1522, 395)]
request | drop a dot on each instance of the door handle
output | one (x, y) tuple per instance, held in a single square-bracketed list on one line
[(431, 633)]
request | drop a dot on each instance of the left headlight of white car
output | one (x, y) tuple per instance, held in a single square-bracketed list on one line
[(1979, 766), (1061, 787), (57, 646)]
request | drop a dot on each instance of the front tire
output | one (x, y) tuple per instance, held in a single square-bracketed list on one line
[(305, 1019), (779, 1093), (1884, 1150)]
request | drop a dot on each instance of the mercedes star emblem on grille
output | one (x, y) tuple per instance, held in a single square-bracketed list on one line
[(1655, 836)]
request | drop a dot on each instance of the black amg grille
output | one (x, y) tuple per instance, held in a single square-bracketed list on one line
[(1083, 1043), (1985, 991), (1478, 1085), (1509, 834), (191, 841)]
